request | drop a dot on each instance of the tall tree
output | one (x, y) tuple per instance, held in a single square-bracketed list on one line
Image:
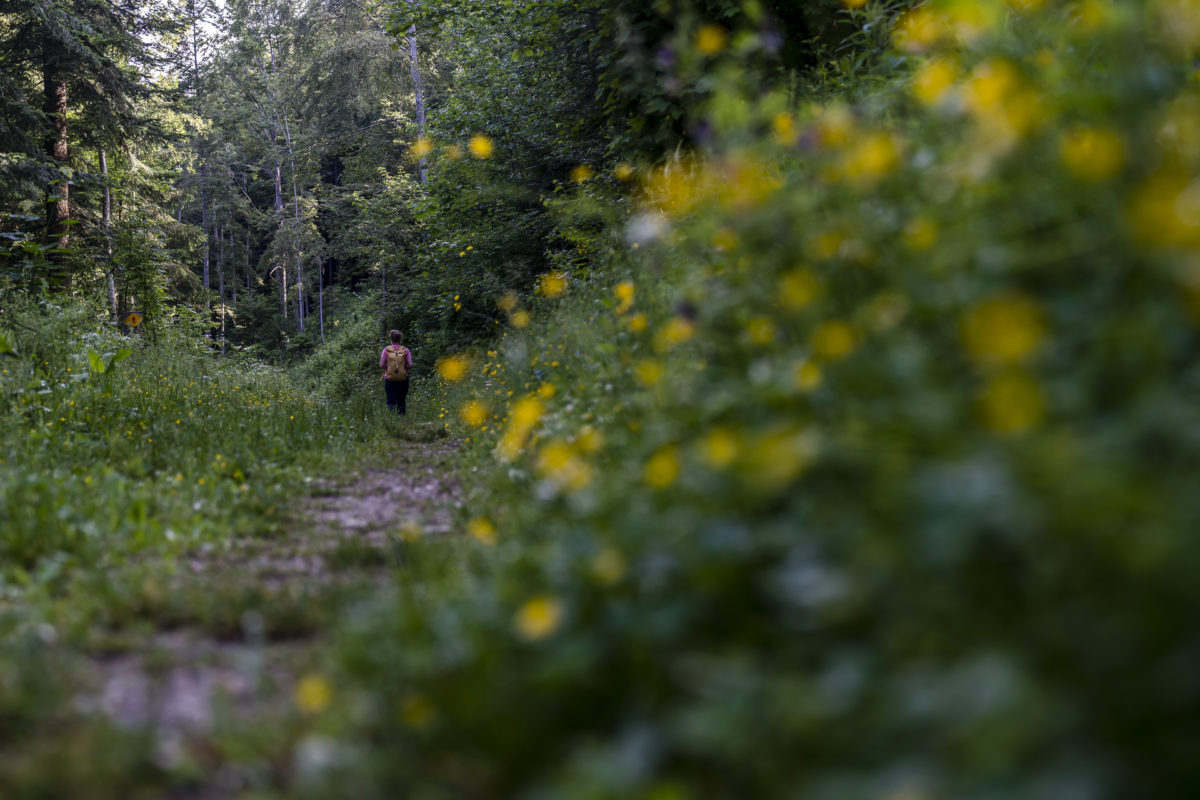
[(91, 57)]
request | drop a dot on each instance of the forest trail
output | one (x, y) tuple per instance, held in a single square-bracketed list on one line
[(262, 612)]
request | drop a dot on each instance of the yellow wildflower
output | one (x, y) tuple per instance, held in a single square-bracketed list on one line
[(933, 80), (1012, 402), (1004, 330), (608, 566), (507, 303), (482, 531), (833, 340), (474, 413), (1092, 154), (798, 288), (719, 448), (312, 694), (711, 39), (761, 331), (452, 368), (648, 372), (421, 148), (552, 284), (662, 469), (807, 376), (921, 233), (538, 618), (582, 173), (624, 293), (519, 319), (480, 146), (677, 331)]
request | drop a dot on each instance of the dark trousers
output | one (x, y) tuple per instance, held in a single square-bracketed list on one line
[(397, 395)]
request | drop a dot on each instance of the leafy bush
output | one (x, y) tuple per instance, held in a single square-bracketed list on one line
[(858, 465)]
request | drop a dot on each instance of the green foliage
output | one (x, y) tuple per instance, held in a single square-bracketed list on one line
[(170, 450), (859, 468)]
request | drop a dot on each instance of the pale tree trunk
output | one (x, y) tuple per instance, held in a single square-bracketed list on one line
[(221, 283), (204, 226), (418, 93), (108, 268), (233, 283)]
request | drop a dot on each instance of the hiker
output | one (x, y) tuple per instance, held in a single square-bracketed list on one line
[(396, 363)]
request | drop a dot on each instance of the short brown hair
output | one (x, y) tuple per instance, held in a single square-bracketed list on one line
[(396, 336)]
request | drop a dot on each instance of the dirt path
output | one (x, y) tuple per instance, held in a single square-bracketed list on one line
[(262, 613)]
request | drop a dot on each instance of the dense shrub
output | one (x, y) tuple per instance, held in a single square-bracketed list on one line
[(860, 462)]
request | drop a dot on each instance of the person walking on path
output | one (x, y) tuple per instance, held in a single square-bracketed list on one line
[(396, 363)]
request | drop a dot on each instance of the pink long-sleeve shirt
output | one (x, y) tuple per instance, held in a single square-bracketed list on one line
[(407, 356)]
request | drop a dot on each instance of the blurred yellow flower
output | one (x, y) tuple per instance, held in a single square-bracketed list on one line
[(1092, 154), (1164, 210), (558, 464), (719, 448), (648, 372), (638, 323), (798, 288), (760, 331), (784, 127), (421, 148), (777, 457), (833, 340), (552, 284), (624, 293), (1012, 402), (482, 531), (538, 618), (312, 694), (590, 440), (934, 79), (608, 566), (919, 29), (474, 413), (519, 319), (526, 412), (546, 390), (921, 233), (677, 331), (507, 303), (854, 3), (1092, 15), (725, 239), (711, 39), (624, 171), (411, 531), (969, 20), (835, 126), (662, 469), (872, 158), (807, 376), (582, 173), (1003, 330), (480, 146), (452, 368)]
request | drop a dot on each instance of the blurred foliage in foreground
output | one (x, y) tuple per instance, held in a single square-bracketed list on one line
[(858, 462)]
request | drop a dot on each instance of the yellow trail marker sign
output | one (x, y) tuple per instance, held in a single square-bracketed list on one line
[(132, 319)]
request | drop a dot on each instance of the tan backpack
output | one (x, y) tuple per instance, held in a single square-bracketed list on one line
[(397, 365)]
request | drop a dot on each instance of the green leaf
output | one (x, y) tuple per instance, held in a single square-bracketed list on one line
[(120, 355), (96, 362), (5, 347)]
